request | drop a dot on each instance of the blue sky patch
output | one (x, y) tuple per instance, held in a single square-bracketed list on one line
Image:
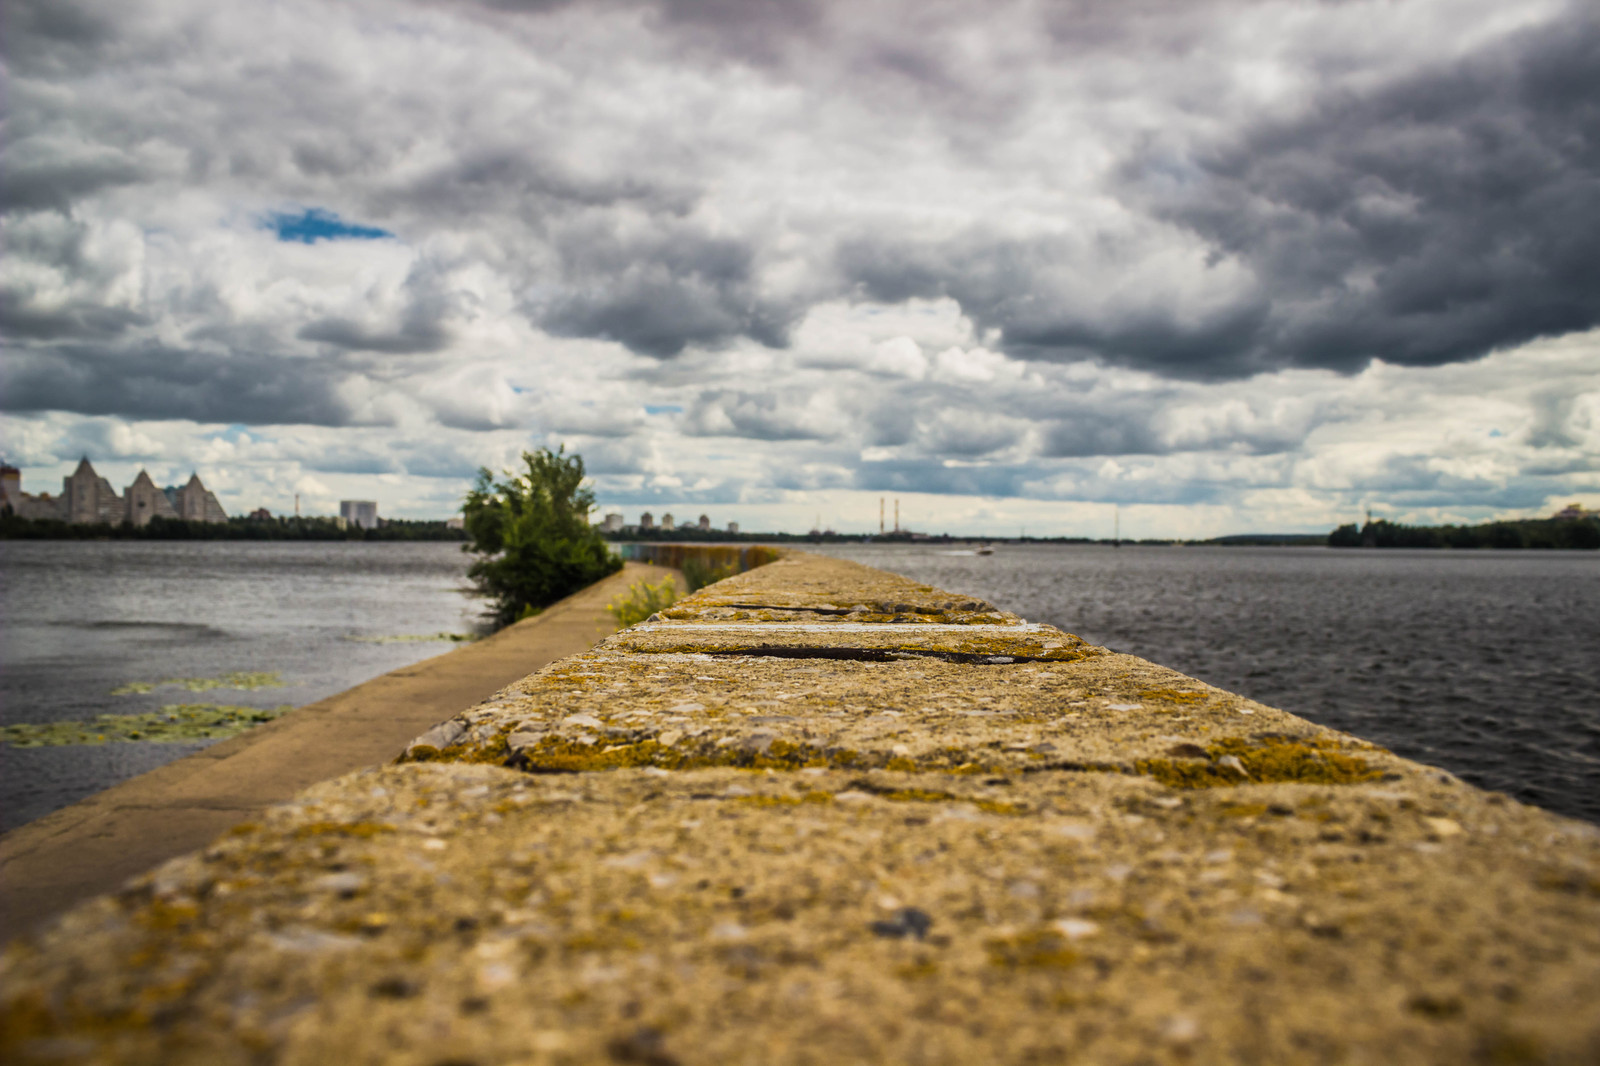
[(315, 224), (662, 409)]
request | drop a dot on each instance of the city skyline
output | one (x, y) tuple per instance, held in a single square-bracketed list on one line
[(1221, 266)]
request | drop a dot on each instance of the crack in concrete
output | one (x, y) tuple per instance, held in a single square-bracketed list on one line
[(877, 655)]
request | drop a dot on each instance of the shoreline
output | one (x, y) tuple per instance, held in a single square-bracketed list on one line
[(91, 846)]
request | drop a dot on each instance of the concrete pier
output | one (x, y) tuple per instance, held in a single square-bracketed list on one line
[(819, 813)]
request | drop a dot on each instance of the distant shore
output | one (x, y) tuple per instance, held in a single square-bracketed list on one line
[(286, 528), (1569, 534)]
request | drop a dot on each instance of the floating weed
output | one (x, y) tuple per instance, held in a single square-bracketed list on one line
[(245, 680), (174, 723), (415, 638)]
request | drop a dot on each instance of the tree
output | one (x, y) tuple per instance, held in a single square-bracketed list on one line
[(531, 530)]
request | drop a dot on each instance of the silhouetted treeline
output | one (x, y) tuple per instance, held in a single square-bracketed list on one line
[(1568, 533), (284, 528)]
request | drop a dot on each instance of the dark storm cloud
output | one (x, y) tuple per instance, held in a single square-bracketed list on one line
[(161, 383), (40, 175), (1091, 434), (413, 336), (79, 319), (660, 294), (1430, 221), (52, 35)]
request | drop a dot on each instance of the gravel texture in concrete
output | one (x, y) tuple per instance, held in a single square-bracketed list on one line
[(886, 835)]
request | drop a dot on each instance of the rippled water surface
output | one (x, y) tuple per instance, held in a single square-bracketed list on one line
[(81, 618), (1485, 663)]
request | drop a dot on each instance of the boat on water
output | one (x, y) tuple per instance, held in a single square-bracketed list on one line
[(984, 549)]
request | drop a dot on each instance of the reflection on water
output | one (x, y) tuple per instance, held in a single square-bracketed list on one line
[(1480, 662), (110, 627)]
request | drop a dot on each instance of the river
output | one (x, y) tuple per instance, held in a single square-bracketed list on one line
[(1484, 663), (1480, 662)]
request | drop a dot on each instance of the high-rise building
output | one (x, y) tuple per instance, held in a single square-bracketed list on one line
[(733, 527), (667, 522), (705, 523), (647, 521), (195, 503), (86, 497), (612, 524), (363, 513), (144, 501)]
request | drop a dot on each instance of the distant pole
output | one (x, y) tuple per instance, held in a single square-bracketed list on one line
[(297, 505), (1116, 526), (880, 516), (897, 514)]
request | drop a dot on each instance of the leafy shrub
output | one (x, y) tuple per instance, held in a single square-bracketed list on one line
[(700, 572), (642, 601), (531, 531)]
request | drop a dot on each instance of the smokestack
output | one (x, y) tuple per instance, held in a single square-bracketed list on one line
[(897, 514), (297, 505)]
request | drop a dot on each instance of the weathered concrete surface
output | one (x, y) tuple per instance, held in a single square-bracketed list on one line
[(94, 845), (651, 855)]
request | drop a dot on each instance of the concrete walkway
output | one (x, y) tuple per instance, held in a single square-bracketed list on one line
[(94, 845)]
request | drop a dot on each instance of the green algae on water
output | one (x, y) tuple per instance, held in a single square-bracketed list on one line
[(244, 680), (174, 723)]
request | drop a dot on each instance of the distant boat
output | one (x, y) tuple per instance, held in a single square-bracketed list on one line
[(984, 549)]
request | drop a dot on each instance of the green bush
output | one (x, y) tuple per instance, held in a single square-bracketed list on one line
[(531, 530), (642, 601), (699, 572)]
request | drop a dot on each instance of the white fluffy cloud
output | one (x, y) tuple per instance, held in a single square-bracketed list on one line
[(1230, 265)]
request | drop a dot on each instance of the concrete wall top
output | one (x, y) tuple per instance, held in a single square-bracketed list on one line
[(819, 813)]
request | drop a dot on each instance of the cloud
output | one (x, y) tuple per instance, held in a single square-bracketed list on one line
[(1188, 254), (164, 383), (1431, 220)]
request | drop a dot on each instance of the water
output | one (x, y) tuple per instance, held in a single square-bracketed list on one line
[(1484, 663), (81, 618), (1480, 662)]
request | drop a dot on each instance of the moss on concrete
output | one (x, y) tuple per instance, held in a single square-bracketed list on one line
[(1237, 761)]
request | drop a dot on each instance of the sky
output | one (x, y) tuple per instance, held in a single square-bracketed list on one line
[(1211, 267)]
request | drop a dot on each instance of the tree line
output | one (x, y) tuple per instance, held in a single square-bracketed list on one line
[(279, 528), (1548, 533)]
